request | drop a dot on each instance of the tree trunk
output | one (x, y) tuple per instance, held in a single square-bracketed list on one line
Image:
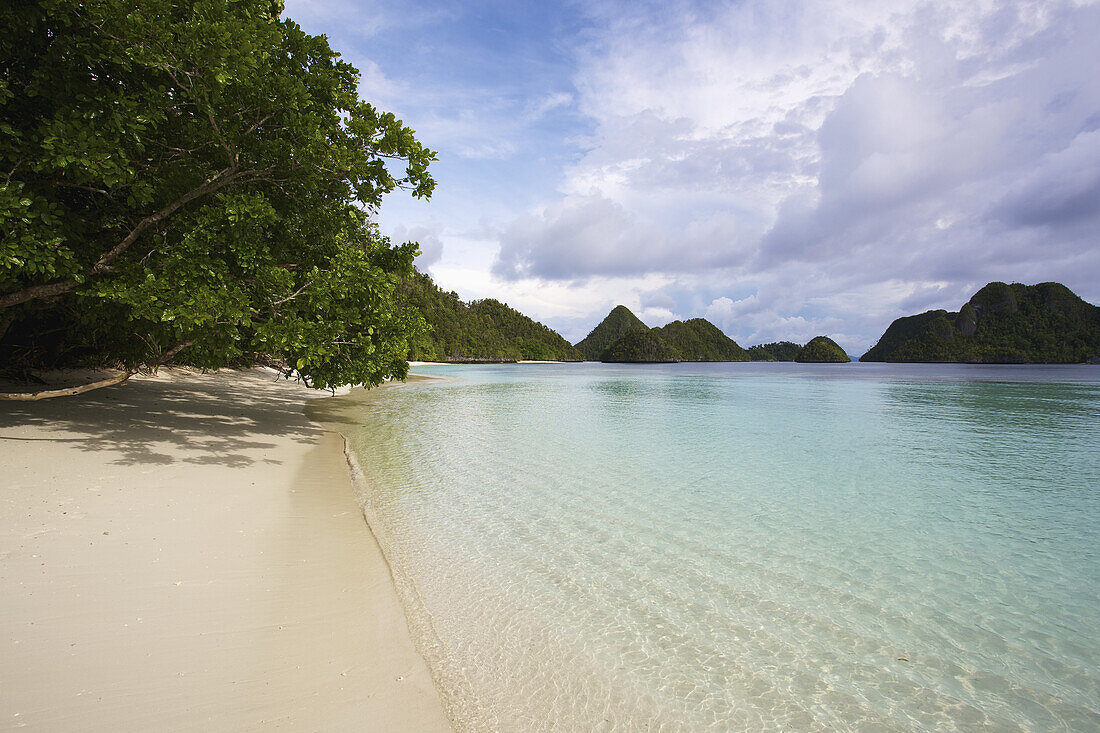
[(67, 391)]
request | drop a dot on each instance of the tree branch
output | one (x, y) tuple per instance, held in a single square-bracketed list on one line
[(218, 180), (167, 355), (211, 184), (292, 296), (82, 187)]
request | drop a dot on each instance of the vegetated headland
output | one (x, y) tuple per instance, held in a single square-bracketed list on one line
[(1002, 324)]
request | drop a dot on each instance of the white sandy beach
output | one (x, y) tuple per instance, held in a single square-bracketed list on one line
[(185, 552)]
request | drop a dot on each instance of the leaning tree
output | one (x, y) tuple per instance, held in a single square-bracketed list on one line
[(194, 181)]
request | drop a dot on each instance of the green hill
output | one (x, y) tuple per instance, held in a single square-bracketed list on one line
[(776, 351), (640, 346), (1006, 324), (822, 350), (698, 339), (483, 330), (618, 322)]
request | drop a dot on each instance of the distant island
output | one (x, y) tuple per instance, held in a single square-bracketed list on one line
[(619, 322), (621, 337), (698, 339), (822, 350), (640, 346), (479, 332), (1002, 324), (777, 351)]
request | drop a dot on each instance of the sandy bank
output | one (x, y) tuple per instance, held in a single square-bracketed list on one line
[(186, 552)]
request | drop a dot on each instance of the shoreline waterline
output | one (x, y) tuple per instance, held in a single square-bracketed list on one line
[(453, 689), (752, 569), (337, 414)]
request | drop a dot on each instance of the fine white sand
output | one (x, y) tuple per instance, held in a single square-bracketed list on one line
[(185, 552)]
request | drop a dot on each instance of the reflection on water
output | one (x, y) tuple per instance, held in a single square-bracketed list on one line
[(743, 546)]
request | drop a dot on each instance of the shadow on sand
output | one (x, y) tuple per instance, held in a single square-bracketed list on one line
[(221, 418)]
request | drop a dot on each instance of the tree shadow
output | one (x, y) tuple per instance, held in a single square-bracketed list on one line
[(230, 419)]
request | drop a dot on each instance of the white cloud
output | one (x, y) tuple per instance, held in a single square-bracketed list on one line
[(784, 167), (884, 154), (540, 107), (431, 247)]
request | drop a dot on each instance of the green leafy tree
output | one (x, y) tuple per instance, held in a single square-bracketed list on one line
[(194, 182)]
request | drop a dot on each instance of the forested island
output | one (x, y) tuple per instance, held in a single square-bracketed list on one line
[(481, 331), (697, 339), (775, 351), (1002, 324), (822, 350), (640, 346), (621, 337)]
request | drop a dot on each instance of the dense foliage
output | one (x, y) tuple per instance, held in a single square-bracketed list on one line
[(1044, 323), (776, 351), (484, 330), (640, 346), (697, 339), (618, 322), (192, 182), (822, 350)]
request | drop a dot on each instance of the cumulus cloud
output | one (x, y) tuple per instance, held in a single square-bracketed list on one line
[(431, 248), (582, 236), (894, 155), (995, 156)]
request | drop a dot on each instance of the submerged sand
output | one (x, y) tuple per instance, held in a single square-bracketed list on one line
[(186, 552)]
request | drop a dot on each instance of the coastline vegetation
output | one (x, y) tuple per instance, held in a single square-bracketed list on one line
[(194, 183), (480, 331)]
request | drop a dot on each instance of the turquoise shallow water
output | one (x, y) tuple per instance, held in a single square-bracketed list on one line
[(746, 546)]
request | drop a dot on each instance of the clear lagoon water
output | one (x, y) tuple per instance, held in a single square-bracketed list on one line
[(745, 546)]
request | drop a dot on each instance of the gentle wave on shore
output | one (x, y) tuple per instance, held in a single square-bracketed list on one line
[(746, 546)]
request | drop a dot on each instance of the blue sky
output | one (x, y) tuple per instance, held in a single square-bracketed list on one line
[(782, 168)]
